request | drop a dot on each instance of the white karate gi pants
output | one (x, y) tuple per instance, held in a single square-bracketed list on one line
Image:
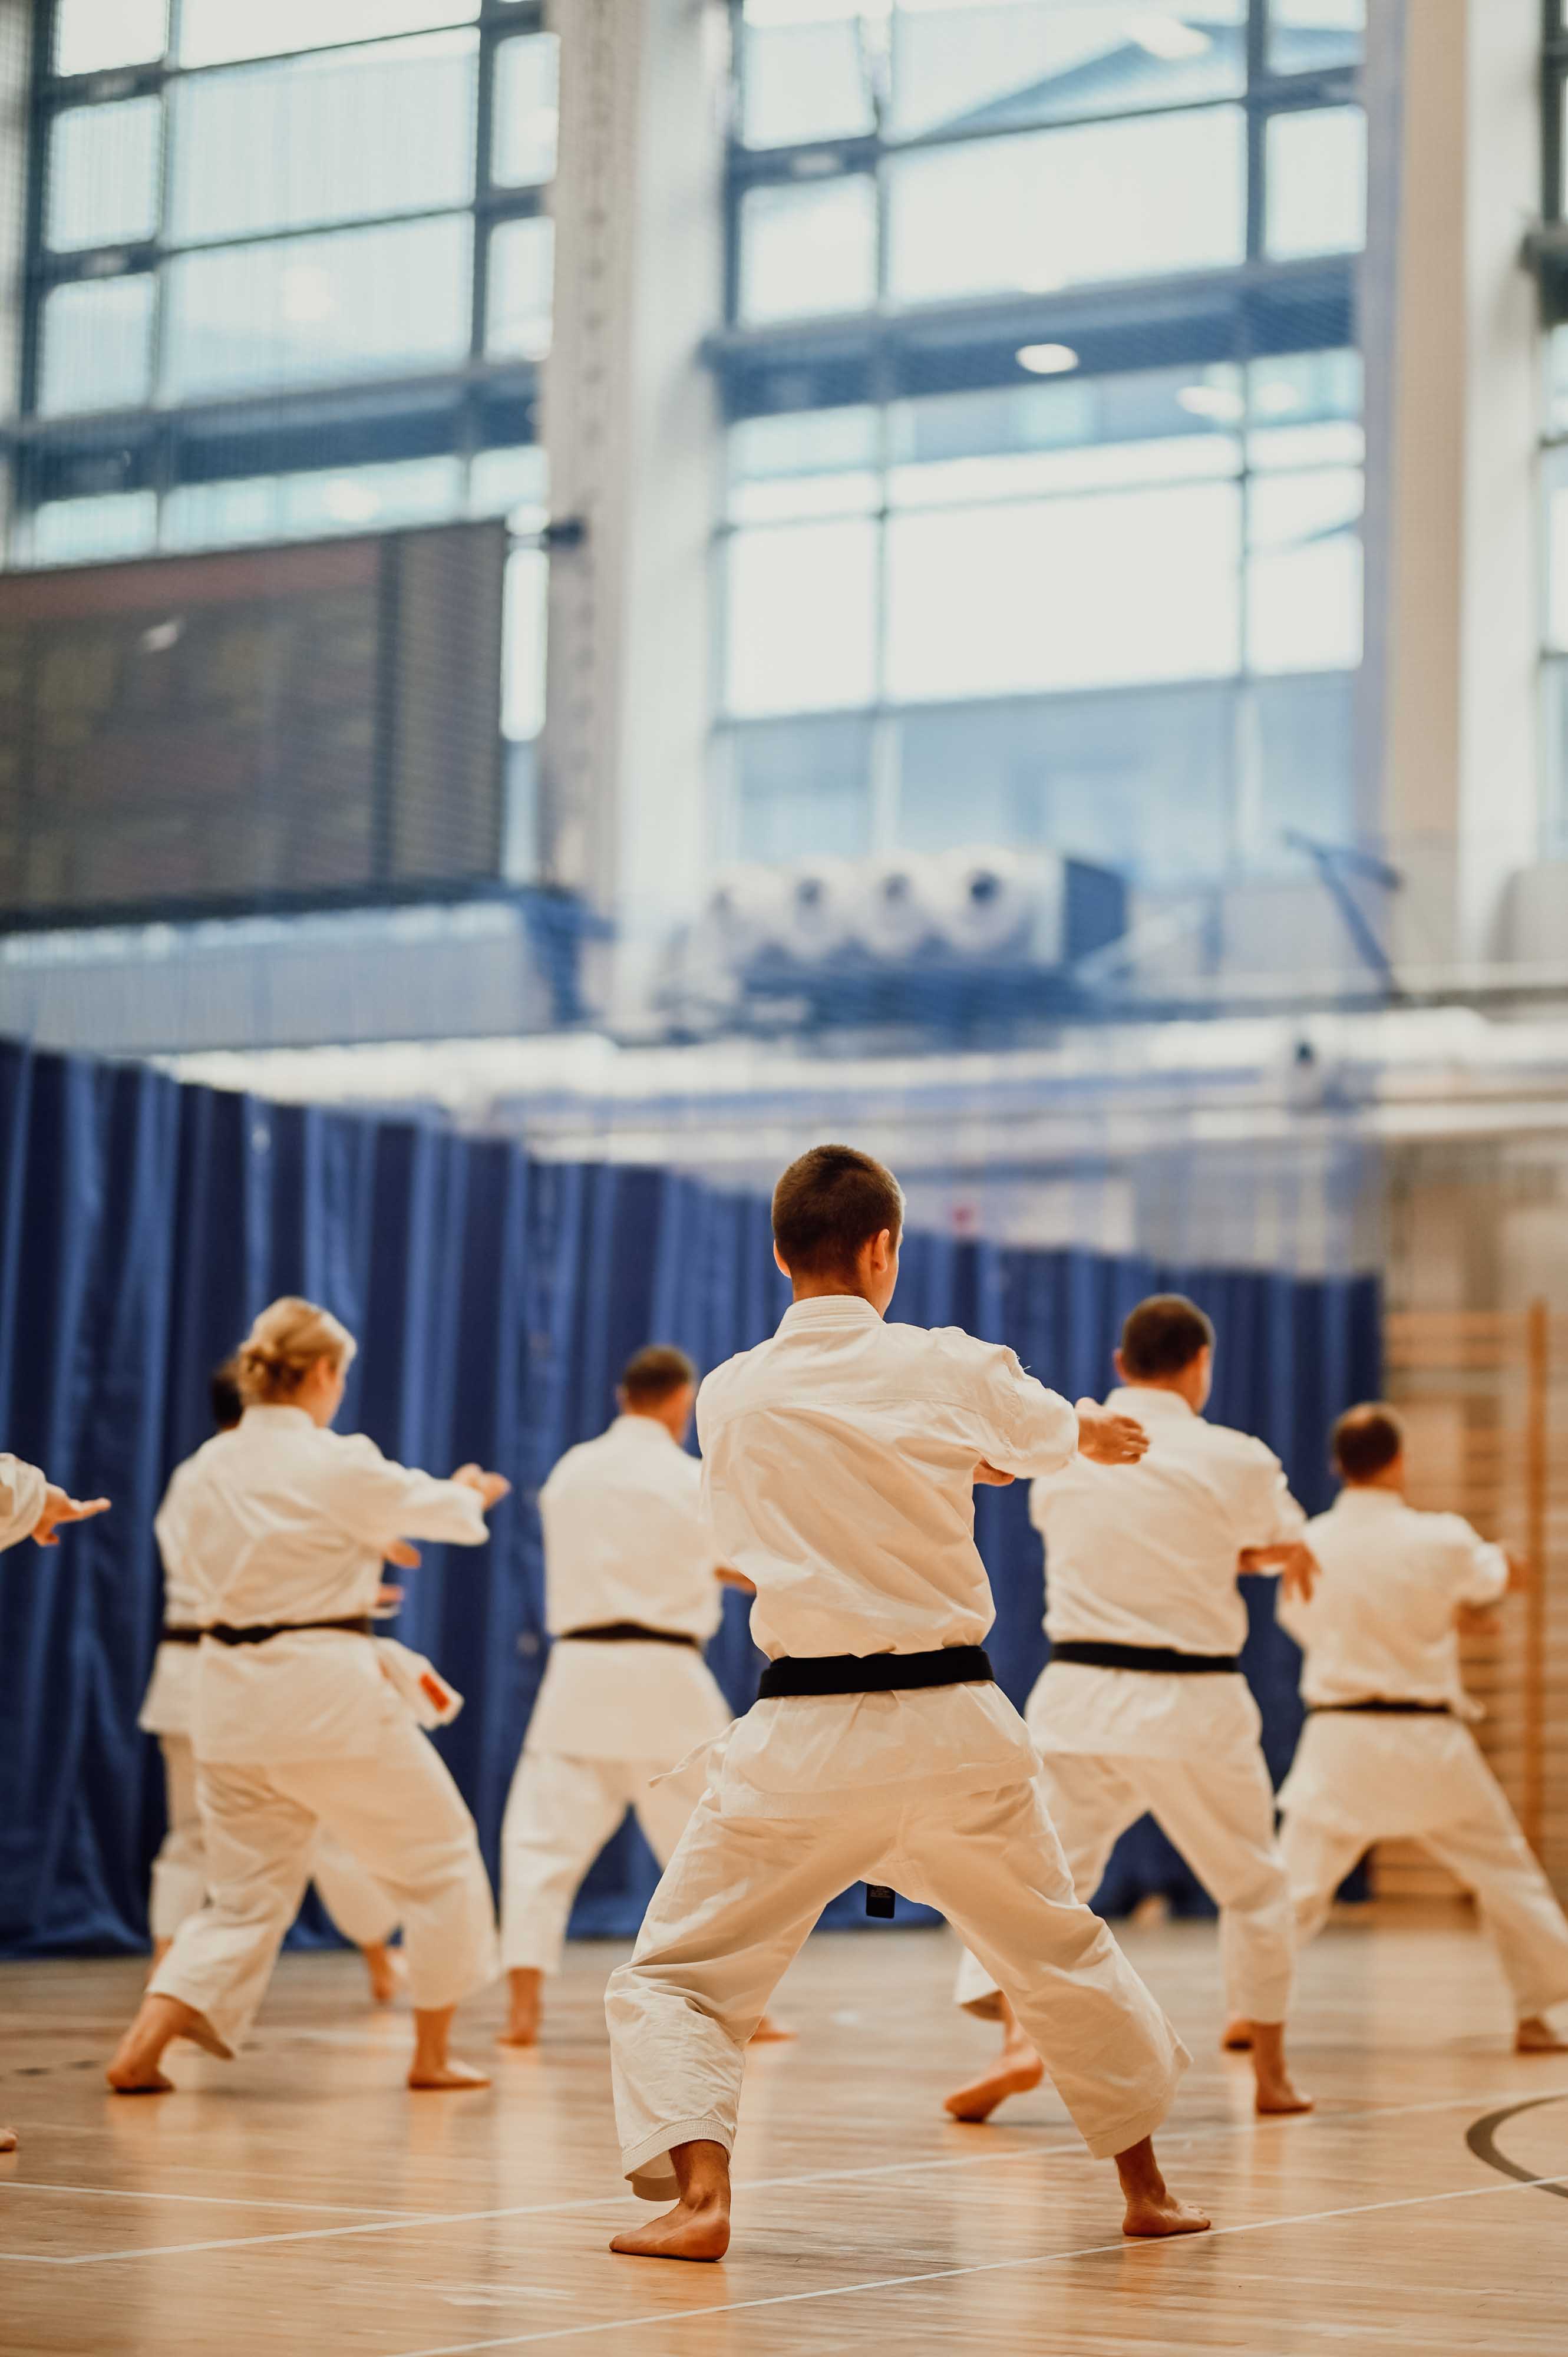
[(559, 1814), (396, 1809), (354, 1900), (742, 1892), (1218, 1812), (1360, 1778)]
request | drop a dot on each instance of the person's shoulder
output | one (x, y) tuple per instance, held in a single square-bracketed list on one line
[(1237, 1447), (721, 1383), (574, 1463), (1442, 1529), (954, 1349)]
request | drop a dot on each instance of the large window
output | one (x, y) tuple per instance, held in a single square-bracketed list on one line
[(1045, 451), (290, 268)]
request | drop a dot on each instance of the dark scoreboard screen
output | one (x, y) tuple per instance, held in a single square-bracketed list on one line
[(240, 731)]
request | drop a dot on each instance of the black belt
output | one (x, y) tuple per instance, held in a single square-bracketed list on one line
[(630, 1632), (850, 1673), (170, 1635), (1163, 1661), (1377, 1706), (361, 1625)]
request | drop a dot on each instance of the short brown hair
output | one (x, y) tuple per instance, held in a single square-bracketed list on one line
[(830, 1203), (653, 1373), (282, 1346), (1366, 1440), (1164, 1335)]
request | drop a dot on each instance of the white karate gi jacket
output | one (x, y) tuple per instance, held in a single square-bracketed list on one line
[(280, 1521), (627, 1539), (1146, 1555), (874, 1553), (22, 1492), (1382, 1624), (170, 1698)]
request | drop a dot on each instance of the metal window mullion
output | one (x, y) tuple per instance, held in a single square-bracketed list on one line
[(158, 327), (484, 147), (36, 170)]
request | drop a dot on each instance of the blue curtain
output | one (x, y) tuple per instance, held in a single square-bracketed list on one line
[(144, 1223)]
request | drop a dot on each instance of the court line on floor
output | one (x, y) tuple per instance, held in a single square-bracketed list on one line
[(213, 2200), (590, 2204), (949, 2274)]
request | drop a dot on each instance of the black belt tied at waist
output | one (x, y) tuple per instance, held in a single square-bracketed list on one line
[(629, 1632), (360, 1625), (1161, 1661), (173, 1633), (853, 1674), (1380, 1706)]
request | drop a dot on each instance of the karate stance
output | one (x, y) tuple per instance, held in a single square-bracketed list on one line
[(632, 1593), (354, 1900), (282, 1527), (1142, 1706), (33, 1507), (839, 1461), (1386, 1753)]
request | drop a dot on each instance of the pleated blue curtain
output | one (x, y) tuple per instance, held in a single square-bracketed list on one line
[(143, 1225)]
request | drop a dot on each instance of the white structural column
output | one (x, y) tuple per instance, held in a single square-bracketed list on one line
[(1453, 417), (16, 52), (629, 424)]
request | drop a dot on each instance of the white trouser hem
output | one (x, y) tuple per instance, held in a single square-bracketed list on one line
[(520, 1953), (1106, 2143), (167, 1983), (658, 2184)]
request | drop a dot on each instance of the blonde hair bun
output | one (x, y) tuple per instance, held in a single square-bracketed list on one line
[(281, 1347)]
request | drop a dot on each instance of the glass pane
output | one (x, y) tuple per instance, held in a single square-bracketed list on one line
[(91, 35), (800, 82), (1090, 433), (343, 137), (1305, 753), (802, 789), (1304, 576), (808, 248), (1102, 200), (82, 531), (514, 483), (212, 32), (1556, 554), (521, 288), (523, 643), (807, 462), (103, 184), (1309, 36), (527, 108), (315, 309), (1064, 593), (1141, 778), (310, 506), (989, 65), (97, 345), (802, 618), (1316, 185)]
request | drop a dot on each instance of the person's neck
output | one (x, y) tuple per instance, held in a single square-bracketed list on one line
[(651, 1416), (829, 1288), (1175, 1384), (1386, 1484)]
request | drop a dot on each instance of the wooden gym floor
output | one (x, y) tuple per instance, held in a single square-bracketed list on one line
[(300, 2201)]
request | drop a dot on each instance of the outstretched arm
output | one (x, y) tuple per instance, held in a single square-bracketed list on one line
[(1292, 1559)]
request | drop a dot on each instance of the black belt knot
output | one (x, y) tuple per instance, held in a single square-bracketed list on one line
[(1161, 1661)]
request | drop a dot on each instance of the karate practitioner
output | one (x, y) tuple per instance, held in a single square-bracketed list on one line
[(282, 1527), (839, 1461), (632, 1595), (1386, 1753), (34, 1507), (354, 1900), (1142, 1706)]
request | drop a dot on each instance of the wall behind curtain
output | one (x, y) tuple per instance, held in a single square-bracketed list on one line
[(144, 1223)]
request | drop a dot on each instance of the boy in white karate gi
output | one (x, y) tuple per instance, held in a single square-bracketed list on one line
[(1387, 1753), (839, 1460), (33, 1507), (351, 1896), (632, 1587), (1142, 1706)]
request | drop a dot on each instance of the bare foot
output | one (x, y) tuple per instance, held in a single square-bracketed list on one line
[(385, 1971), (445, 2074), (1153, 2211), (1018, 2067), (698, 2226), (134, 2067), (769, 2032), (7, 2139), (1236, 2037), (527, 1986), (1535, 2035), (1276, 2095)]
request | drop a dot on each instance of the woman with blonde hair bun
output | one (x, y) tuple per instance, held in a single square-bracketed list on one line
[(281, 1527)]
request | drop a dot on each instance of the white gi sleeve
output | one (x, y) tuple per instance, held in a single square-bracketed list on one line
[(1025, 1428), (1270, 1515), (1480, 1569), (22, 1492), (379, 1501)]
